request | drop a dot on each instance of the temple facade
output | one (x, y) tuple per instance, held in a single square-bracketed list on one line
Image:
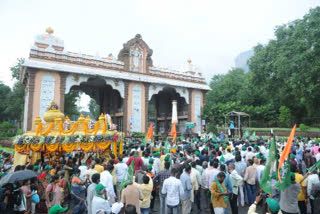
[(129, 88)]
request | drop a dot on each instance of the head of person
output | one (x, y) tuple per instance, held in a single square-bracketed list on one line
[(145, 179), (215, 163), (231, 167), (273, 206), (77, 171), (238, 158), (193, 164), (173, 172), (249, 149), (222, 168), (100, 189), (130, 209), (221, 176), (204, 164), (187, 169), (55, 179), (250, 162), (255, 160), (167, 165), (95, 178)]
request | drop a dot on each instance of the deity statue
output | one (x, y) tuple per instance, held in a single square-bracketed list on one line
[(136, 54)]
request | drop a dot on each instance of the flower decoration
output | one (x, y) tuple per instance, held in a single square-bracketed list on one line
[(53, 106)]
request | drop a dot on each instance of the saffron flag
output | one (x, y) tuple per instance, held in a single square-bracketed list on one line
[(150, 133), (173, 132), (128, 177), (269, 169), (286, 151)]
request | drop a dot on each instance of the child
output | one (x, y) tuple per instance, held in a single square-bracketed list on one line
[(35, 199)]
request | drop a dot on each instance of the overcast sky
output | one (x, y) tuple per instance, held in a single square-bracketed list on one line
[(212, 33)]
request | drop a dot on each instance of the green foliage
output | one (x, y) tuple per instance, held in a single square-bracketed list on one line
[(16, 69), (94, 109), (304, 128), (70, 106), (285, 116), (284, 72), (7, 130), (138, 134)]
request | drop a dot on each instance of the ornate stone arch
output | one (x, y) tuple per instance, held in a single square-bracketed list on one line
[(155, 89), (76, 80)]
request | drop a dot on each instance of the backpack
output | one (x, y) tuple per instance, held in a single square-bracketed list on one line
[(35, 198)]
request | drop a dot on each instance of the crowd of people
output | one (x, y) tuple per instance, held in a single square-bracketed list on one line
[(189, 176)]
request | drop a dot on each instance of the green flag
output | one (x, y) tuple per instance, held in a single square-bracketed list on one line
[(253, 136), (246, 134), (285, 176), (127, 179), (269, 169), (167, 146), (182, 138), (144, 141)]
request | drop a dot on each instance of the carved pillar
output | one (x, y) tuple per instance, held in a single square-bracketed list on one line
[(174, 112), (63, 78), (190, 106), (146, 98), (31, 86), (125, 108)]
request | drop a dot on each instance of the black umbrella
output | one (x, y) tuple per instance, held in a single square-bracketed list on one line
[(13, 177)]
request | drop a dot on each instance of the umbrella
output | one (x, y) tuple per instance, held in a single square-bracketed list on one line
[(13, 177)]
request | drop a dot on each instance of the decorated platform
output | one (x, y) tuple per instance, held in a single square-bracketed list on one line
[(58, 135)]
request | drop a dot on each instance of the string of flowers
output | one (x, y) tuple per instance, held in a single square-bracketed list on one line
[(36, 140)]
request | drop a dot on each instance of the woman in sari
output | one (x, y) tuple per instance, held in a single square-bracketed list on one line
[(53, 193), (78, 193)]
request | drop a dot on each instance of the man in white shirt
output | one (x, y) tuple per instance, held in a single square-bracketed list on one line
[(260, 169), (195, 181), (121, 169), (99, 202), (91, 191), (311, 181), (250, 154), (212, 171), (107, 180), (236, 181), (172, 187)]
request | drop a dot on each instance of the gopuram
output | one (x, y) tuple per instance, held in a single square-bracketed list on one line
[(128, 88)]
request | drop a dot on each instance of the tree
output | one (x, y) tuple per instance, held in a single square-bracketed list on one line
[(286, 70), (4, 93), (70, 106), (285, 116), (94, 109), (14, 104)]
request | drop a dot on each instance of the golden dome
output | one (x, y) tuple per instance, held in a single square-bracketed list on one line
[(49, 30)]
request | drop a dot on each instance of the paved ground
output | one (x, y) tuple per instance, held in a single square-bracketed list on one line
[(196, 211)]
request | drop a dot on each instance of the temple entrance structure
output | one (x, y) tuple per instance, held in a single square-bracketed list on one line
[(109, 99), (128, 88)]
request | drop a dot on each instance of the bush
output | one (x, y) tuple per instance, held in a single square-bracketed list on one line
[(304, 128)]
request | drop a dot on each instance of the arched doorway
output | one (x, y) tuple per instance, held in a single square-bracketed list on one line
[(109, 100), (160, 111)]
